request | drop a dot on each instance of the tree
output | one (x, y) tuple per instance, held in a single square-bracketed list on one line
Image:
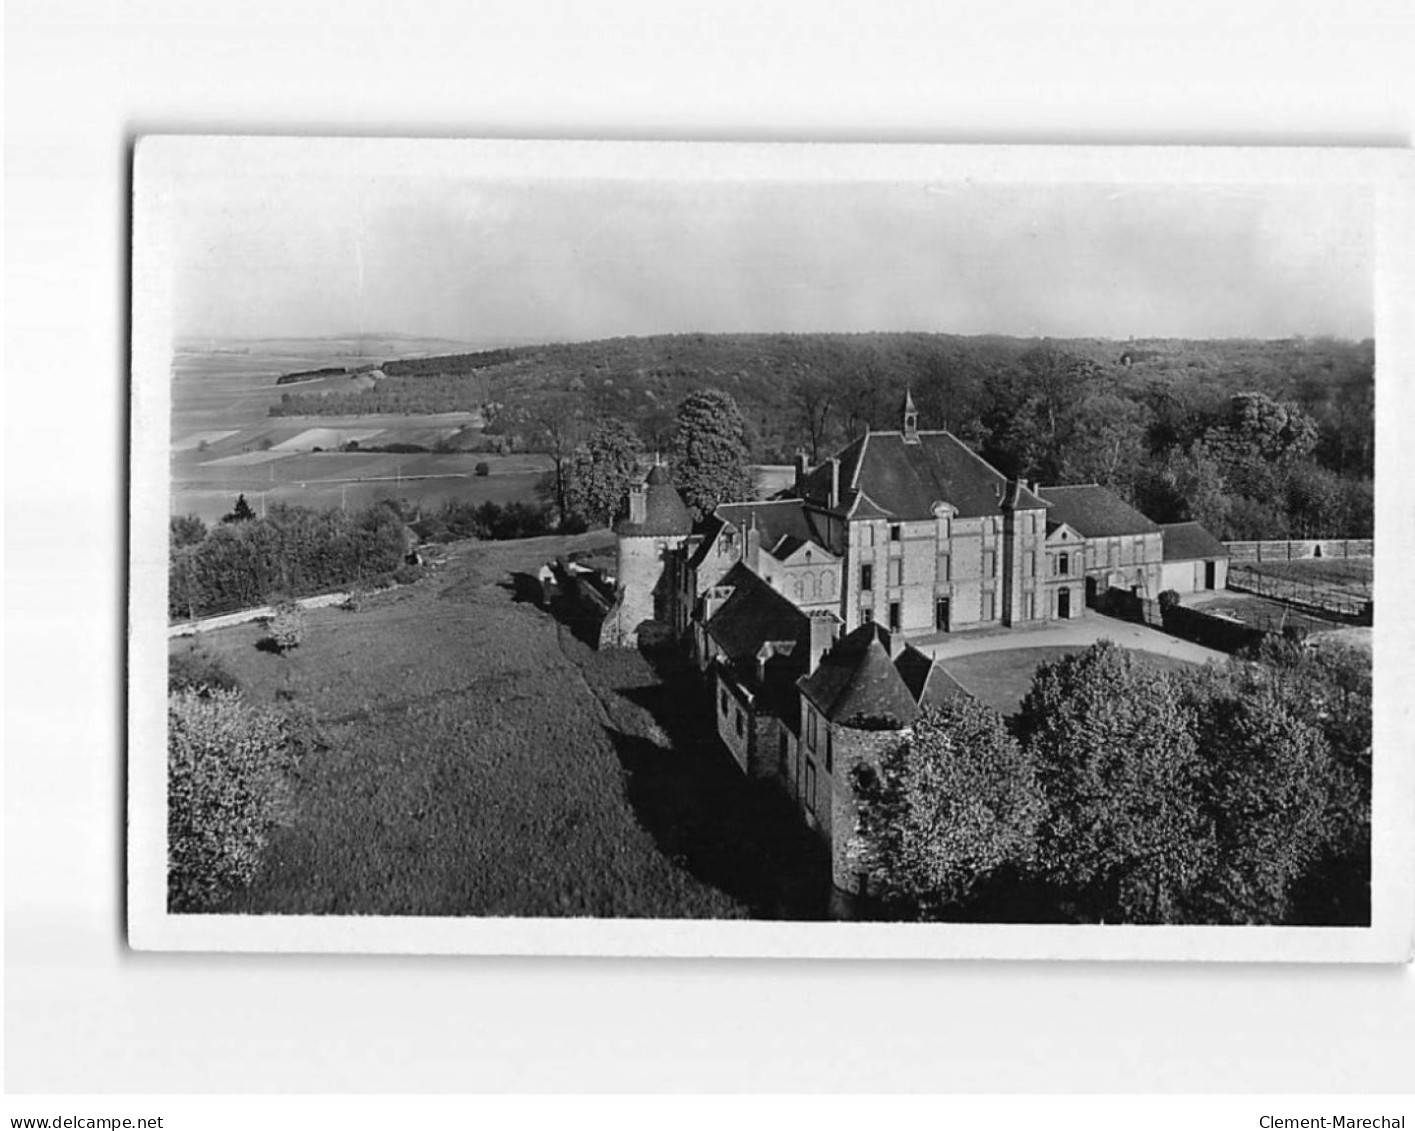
[(1264, 791), (557, 429), (709, 452), (603, 472), (483, 469), (287, 626), (227, 787), (813, 400), (240, 513), (1117, 761), (948, 806), (186, 530), (1107, 443)]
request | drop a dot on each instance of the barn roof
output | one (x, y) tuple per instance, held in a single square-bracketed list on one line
[(1188, 541), (905, 480), (1094, 511), (664, 510)]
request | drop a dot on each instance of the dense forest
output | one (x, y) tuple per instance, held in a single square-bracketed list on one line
[(1256, 439)]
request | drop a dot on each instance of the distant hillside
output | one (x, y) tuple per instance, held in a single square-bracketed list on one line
[(778, 379)]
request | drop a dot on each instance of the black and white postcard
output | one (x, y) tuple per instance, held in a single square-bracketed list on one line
[(771, 550)]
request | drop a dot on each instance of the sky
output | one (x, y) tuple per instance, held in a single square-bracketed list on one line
[(261, 253)]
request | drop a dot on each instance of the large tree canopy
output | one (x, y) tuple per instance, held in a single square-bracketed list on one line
[(709, 452), (949, 805), (603, 471), (1117, 760)]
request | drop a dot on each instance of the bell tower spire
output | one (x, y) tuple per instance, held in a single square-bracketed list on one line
[(911, 418)]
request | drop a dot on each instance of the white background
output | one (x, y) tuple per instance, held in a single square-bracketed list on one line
[(84, 1014)]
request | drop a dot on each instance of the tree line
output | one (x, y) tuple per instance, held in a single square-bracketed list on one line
[(1121, 793), (245, 561), (1254, 439)]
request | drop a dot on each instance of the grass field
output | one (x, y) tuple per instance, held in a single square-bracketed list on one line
[(1348, 575), (481, 760), (1002, 679), (225, 443)]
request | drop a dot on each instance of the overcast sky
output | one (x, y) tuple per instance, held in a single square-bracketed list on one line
[(565, 260)]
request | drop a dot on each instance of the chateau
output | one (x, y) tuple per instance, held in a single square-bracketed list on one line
[(810, 614)]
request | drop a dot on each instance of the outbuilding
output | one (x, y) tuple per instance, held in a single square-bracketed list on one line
[(1194, 560)]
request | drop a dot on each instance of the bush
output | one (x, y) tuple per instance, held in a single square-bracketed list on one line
[(1169, 599), (483, 468), (407, 574), (227, 787), (195, 669), (287, 626)]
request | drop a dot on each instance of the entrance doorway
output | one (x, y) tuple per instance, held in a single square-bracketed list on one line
[(1209, 575), (1090, 590), (1063, 604), (941, 614)]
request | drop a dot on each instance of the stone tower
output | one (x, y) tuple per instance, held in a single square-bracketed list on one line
[(656, 523)]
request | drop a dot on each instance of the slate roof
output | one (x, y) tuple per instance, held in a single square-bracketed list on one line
[(777, 520), (904, 481), (754, 614), (856, 678), (1188, 541), (1094, 511), (928, 683), (664, 511)]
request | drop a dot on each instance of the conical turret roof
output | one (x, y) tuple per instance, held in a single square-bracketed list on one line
[(665, 514)]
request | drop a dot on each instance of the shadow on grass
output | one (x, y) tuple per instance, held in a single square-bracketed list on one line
[(524, 588), (741, 836)]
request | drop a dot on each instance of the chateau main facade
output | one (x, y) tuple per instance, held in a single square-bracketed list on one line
[(811, 614)]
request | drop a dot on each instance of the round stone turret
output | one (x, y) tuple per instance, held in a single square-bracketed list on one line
[(656, 523)]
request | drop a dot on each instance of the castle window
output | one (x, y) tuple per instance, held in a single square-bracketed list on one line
[(811, 732), (896, 571), (867, 578), (810, 785), (989, 563), (1031, 563), (724, 703), (829, 753), (1063, 564), (896, 532), (989, 606), (739, 722), (945, 567), (894, 616)]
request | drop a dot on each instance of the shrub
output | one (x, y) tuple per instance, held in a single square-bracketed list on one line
[(1169, 599), (406, 574), (287, 626), (195, 669), (227, 787), (483, 468)]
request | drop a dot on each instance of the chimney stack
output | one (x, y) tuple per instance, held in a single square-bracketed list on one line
[(801, 469), (825, 626), (752, 554)]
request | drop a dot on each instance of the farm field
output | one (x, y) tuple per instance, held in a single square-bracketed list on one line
[(331, 479), (1003, 678), (480, 759), (225, 443)]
